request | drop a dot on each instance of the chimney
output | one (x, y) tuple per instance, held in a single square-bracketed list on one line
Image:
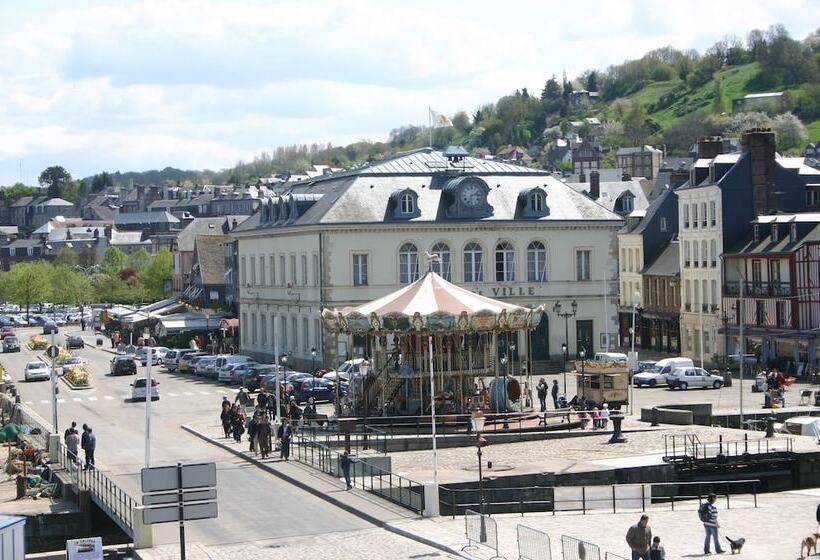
[(760, 144), (595, 184), (709, 147)]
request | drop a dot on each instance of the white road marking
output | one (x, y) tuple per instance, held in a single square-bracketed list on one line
[(171, 395), (29, 402), (77, 399), (44, 401), (109, 398), (60, 401), (204, 393), (187, 394), (91, 398)]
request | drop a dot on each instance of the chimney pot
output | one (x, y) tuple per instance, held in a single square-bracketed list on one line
[(595, 184)]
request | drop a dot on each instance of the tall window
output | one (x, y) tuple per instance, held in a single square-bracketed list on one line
[(281, 270), (703, 216), (536, 202), (686, 257), (244, 327), (695, 215), (253, 329), (244, 271), (473, 265), (583, 261), (284, 334), (704, 253), (262, 281), (253, 271), (294, 328), (360, 269), (713, 252), (272, 271), (315, 269), (263, 324), (293, 270), (757, 273), (782, 314), (685, 215), (408, 204), (441, 266), (695, 259), (687, 293), (536, 262), (408, 263), (774, 274), (713, 213), (305, 334), (504, 262)]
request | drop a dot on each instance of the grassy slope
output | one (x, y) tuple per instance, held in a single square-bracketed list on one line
[(736, 84)]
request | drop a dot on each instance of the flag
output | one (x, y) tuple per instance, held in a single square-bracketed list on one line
[(439, 120)]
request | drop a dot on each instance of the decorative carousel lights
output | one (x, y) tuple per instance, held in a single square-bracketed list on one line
[(432, 325)]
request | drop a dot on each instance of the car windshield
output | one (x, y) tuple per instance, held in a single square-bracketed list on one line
[(36, 365), (345, 367)]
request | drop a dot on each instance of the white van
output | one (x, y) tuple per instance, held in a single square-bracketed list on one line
[(800, 426), (656, 375), (610, 357), (224, 363)]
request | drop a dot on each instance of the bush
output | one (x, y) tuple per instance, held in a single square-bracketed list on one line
[(64, 354), (38, 343), (78, 376)]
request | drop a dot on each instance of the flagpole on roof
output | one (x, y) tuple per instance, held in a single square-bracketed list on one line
[(430, 121)]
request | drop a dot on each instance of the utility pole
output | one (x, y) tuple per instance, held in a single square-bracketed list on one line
[(742, 350)]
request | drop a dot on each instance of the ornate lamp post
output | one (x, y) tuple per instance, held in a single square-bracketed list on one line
[(512, 358), (284, 360), (477, 420), (582, 353), (565, 347), (313, 360)]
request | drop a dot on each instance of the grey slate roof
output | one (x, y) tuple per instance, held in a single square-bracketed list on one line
[(611, 190), (667, 263), (56, 202), (636, 150), (23, 243), (210, 258), (784, 244), (199, 226), (145, 218)]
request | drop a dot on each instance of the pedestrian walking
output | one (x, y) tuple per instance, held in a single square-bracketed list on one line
[(639, 539), (542, 394), (555, 393), (90, 448), (225, 417), (237, 423), (72, 440), (252, 434), (82, 323), (656, 551), (596, 418), (346, 461), (69, 430), (604, 415), (708, 514), (284, 433), (272, 407), (84, 439)]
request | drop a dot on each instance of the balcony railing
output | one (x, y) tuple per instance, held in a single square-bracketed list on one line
[(776, 289)]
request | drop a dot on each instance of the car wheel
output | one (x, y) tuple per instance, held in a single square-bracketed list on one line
[(717, 384), (683, 385), (652, 382)]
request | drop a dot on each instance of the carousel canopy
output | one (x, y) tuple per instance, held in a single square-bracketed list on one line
[(431, 303)]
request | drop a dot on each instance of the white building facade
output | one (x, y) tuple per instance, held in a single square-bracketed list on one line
[(505, 231)]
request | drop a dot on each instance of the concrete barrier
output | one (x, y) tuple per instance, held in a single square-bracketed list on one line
[(667, 416)]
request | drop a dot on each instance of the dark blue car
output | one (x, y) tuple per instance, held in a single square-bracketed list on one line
[(312, 387)]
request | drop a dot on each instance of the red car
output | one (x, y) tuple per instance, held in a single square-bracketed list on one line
[(6, 331)]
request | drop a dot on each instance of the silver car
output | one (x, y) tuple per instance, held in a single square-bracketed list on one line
[(37, 371), (685, 377)]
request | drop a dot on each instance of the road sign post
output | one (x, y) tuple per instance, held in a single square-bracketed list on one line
[(53, 351), (179, 493)]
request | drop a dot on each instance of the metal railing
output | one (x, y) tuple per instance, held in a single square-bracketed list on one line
[(689, 446), (532, 544), (521, 500), (777, 289), (106, 493), (576, 549), (369, 440), (480, 530), (383, 483), (611, 556)]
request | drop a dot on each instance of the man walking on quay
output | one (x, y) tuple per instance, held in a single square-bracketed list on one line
[(284, 433), (542, 394), (708, 515), (555, 394), (639, 539), (90, 448)]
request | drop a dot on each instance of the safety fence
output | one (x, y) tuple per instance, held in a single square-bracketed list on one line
[(689, 446), (576, 549), (307, 449), (611, 556), (480, 530), (532, 544), (586, 499), (369, 440)]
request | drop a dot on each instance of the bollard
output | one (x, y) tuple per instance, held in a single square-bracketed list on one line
[(617, 437), (770, 426), (654, 417)]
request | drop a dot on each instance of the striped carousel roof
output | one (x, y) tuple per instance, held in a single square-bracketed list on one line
[(429, 302)]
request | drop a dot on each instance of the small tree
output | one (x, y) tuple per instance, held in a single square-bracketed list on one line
[(113, 261), (27, 283), (67, 257), (55, 179)]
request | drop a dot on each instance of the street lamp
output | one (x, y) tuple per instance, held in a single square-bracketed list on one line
[(284, 360), (565, 347), (477, 420), (636, 297), (313, 360), (512, 357), (582, 353)]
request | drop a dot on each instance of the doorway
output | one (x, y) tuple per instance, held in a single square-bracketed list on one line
[(583, 337)]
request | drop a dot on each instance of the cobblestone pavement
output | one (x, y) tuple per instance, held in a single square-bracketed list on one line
[(376, 544), (590, 452), (773, 531)]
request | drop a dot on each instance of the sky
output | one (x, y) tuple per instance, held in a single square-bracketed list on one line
[(130, 86)]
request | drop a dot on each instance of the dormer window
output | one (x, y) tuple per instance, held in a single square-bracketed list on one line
[(408, 204), (536, 202), (756, 232), (625, 203), (774, 233), (793, 232), (532, 203)]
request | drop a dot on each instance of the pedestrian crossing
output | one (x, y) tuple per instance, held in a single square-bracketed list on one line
[(123, 396)]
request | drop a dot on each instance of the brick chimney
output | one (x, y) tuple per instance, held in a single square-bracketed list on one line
[(594, 184), (760, 144), (709, 147)]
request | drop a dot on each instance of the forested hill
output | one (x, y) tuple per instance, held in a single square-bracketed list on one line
[(667, 97)]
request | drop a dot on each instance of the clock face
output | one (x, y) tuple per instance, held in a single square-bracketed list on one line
[(471, 195)]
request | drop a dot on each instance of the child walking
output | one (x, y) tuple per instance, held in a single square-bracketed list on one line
[(656, 551)]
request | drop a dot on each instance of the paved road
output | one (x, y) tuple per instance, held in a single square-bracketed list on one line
[(253, 505)]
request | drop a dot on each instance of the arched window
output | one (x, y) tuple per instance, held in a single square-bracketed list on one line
[(441, 265), (504, 262), (536, 262), (473, 264), (408, 263), (408, 203), (536, 202)]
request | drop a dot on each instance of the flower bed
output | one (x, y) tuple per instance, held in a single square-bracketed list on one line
[(77, 376), (38, 343), (64, 354)]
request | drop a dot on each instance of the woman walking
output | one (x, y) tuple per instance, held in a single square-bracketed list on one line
[(225, 417)]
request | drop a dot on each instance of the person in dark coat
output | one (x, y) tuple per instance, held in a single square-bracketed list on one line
[(237, 423), (225, 417), (90, 448), (554, 391), (272, 407), (346, 461), (84, 440), (284, 433), (542, 394)]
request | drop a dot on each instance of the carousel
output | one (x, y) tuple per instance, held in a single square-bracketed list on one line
[(435, 329)]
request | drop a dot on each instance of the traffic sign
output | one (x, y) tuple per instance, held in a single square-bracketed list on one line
[(53, 351), (173, 497), (164, 479), (207, 510)]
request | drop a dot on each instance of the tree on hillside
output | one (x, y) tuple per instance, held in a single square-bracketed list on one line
[(592, 81), (67, 257), (15, 191), (139, 259), (113, 261), (636, 129), (790, 132), (718, 97), (551, 89), (100, 181), (27, 283), (55, 179)]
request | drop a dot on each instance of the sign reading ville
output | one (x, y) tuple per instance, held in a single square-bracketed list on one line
[(508, 291)]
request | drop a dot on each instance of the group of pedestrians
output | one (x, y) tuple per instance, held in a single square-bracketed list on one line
[(87, 441), (260, 437), (646, 547)]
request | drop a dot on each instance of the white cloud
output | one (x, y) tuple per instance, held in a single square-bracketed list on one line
[(202, 83)]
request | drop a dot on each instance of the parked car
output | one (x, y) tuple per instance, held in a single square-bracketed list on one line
[(11, 344), (139, 389), (225, 363), (685, 377), (7, 331), (230, 373), (186, 362), (37, 371), (68, 363), (74, 341), (157, 353), (206, 366), (171, 358), (610, 357), (252, 381), (657, 374), (123, 365), (303, 389), (50, 327), (644, 365)]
